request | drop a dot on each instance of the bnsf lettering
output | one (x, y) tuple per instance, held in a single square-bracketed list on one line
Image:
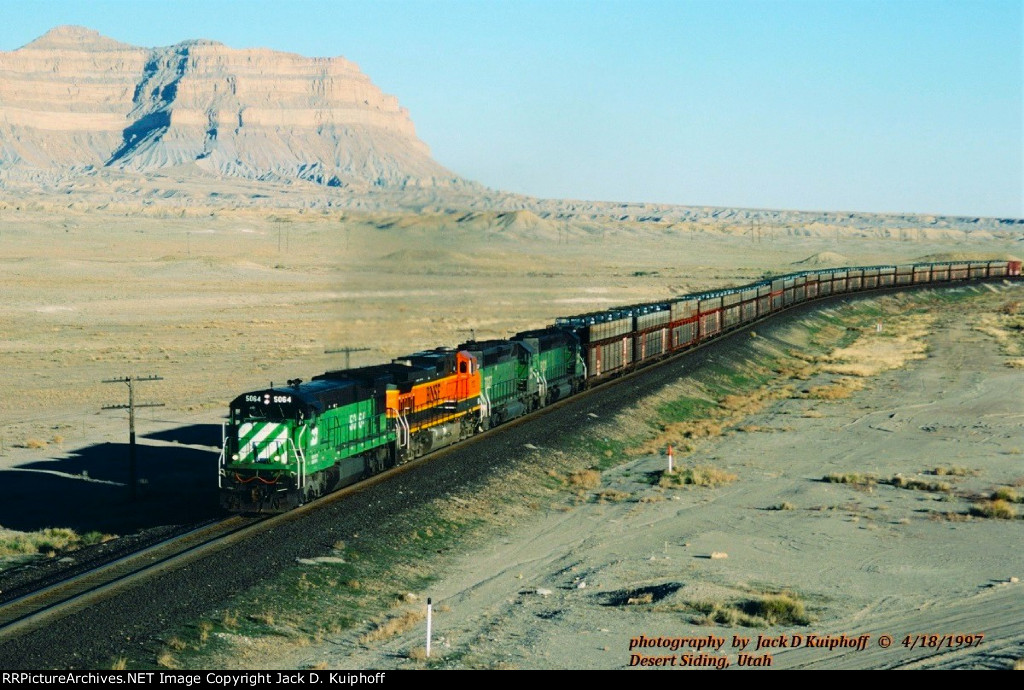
[(434, 393)]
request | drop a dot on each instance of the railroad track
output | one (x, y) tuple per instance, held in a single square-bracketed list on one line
[(126, 619), (40, 607)]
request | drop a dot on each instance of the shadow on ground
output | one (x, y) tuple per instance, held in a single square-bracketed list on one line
[(89, 489), (193, 434)]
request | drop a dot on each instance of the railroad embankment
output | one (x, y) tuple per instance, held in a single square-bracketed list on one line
[(855, 471)]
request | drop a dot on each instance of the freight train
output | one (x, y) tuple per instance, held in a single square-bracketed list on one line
[(286, 445)]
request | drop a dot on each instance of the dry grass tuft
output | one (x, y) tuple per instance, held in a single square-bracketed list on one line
[(764, 610), (953, 471), (950, 516), (119, 664), (994, 509), (34, 443), (734, 402), (850, 478), (52, 540), (1012, 308), (1008, 494), (778, 609), (902, 482), (229, 619), (266, 618), (177, 644), (613, 495), (1005, 328), (166, 660), (417, 654), (393, 626), (701, 475), (785, 505), (585, 479)]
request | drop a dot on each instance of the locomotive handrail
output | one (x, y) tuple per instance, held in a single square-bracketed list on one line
[(222, 460), (301, 457)]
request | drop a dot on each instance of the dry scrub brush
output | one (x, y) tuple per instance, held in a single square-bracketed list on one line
[(702, 475), (585, 479), (953, 471), (784, 608), (872, 353), (998, 508), (857, 478), (393, 626), (52, 540), (898, 481)]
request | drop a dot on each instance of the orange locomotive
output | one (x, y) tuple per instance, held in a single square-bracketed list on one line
[(437, 404)]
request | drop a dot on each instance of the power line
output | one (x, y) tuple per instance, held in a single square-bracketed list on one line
[(348, 351), (131, 421)]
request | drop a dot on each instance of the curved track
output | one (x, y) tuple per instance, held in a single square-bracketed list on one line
[(42, 606), (116, 612)]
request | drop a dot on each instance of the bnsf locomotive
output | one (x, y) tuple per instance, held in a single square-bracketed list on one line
[(286, 445)]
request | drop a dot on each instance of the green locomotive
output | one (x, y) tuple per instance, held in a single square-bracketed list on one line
[(286, 445), (530, 370)]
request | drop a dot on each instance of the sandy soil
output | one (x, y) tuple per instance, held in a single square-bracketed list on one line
[(221, 303), (868, 561)]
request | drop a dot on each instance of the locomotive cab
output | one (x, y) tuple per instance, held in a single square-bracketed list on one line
[(267, 442)]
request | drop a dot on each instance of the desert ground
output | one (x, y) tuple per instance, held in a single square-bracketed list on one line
[(217, 302), (574, 587)]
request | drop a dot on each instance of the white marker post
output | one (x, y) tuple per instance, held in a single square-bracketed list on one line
[(670, 459), (430, 611)]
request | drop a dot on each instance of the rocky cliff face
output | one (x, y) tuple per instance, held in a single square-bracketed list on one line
[(74, 102)]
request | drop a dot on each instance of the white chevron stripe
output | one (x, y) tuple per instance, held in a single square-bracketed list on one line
[(272, 431), (273, 443), (266, 430)]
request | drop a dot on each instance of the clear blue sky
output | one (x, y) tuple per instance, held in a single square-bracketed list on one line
[(900, 105)]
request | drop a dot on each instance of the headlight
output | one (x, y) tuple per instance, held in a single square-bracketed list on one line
[(235, 457)]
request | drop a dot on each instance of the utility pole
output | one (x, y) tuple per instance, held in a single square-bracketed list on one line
[(347, 351), (131, 421)]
